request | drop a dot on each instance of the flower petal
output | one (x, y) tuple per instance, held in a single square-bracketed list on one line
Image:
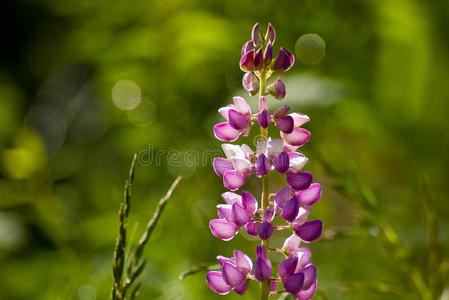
[(297, 162), (293, 284), (225, 212), (225, 132), (265, 230), (222, 229), (302, 216), (283, 61), (262, 269), (224, 111), (264, 118), (291, 244), (249, 202), (262, 165), (258, 59), (248, 46), (216, 282), (310, 230), (243, 262), (232, 275), (242, 106), (277, 89), (233, 180), (282, 162), (311, 195), (241, 165), (232, 151), (221, 165), (241, 288), (274, 147), (268, 55), (298, 137), (307, 294), (287, 267), (309, 275), (255, 36), (251, 228), (304, 256), (230, 197), (239, 215), (270, 34), (285, 124), (283, 196), (237, 120), (250, 83), (299, 180), (281, 112), (290, 210), (300, 119), (247, 61)]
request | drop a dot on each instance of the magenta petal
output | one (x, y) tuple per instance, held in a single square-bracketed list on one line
[(285, 124), (309, 276), (247, 61), (281, 112), (268, 215), (299, 180), (221, 165), (258, 59), (241, 288), (290, 210), (282, 162), (294, 283), (284, 61), (233, 180), (249, 202), (304, 256), (243, 262), (223, 259), (283, 196), (251, 228), (237, 120), (242, 106), (287, 267), (262, 165), (265, 230), (222, 229), (307, 294), (248, 46), (310, 230), (225, 132), (239, 215), (225, 212), (216, 282), (300, 119), (264, 118), (298, 137), (268, 55), (232, 275), (309, 196)]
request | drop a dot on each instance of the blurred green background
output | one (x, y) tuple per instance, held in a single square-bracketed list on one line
[(85, 84)]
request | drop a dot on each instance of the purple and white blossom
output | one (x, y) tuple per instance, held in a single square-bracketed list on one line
[(292, 203)]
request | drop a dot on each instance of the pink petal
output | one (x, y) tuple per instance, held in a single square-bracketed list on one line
[(309, 196), (241, 165), (230, 197), (309, 275), (237, 120), (299, 119), (224, 111), (298, 137), (222, 229), (304, 256), (225, 212), (232, 275), (239, 215), (243, 262), (249, 202), (309, 231), (241, 289), (287, 267), (242, 106), (297, 162), (233, 180), (221, 165), (216, 282), (225, 132), (291, 244), (307, 294)]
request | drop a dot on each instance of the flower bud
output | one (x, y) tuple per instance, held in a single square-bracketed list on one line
[(256, 37), (248, 46), (277, 89), (271, 34), (258, 59), (264, 118), (262, 165), (284, 61), (247, 61), (250, 83), (265, 230), (268, 55)]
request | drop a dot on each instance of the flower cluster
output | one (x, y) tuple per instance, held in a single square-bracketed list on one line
[(292, 203)]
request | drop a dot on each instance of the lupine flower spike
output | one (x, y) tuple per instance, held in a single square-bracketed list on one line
[(292, 204)]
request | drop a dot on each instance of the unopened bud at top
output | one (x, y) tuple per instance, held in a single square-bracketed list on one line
[(247, 61), (250, 83), (271, 34), (256, 37), (248, 46)]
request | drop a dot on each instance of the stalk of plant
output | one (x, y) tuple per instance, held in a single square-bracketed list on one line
[(292, 203), (123, 280)]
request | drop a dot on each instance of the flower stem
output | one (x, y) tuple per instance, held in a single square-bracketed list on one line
[(265, 285)]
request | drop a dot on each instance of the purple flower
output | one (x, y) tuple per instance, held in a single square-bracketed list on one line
[(247, 61), (237, 212), (262, 266), (284, 61), (277, 89), (248, 46), (268, 54), (250, 83), (255, 36), (238, 116), (271, 34), (233, 276), (299, 180), (309, 231)]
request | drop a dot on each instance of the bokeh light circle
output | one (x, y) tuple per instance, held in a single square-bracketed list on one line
[(310, 49)]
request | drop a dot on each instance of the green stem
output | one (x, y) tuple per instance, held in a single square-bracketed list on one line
[(265, 286)]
